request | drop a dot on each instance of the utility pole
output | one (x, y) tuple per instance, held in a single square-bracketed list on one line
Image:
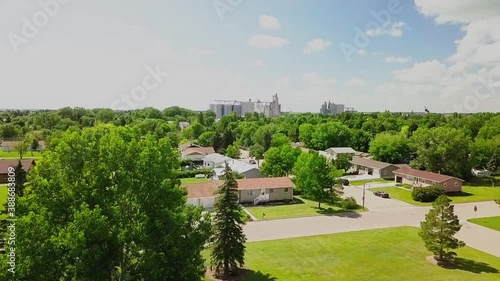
[(364, 195)]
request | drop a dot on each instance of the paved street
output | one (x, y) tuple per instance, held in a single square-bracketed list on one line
[(383, 213)]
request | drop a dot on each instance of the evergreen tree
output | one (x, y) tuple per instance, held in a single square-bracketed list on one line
[(20, 179), (229, 239), (438, 230)]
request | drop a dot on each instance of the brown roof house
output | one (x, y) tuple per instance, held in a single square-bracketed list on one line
[(195, 152), (255, 191), (372, 167), (418, 178), (5, 164)]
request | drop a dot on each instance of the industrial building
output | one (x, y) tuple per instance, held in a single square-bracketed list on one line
[(332, 108), (225, 107)]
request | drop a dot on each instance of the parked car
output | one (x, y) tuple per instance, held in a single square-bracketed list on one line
[(252, 161), (381, 194), (345, 182)]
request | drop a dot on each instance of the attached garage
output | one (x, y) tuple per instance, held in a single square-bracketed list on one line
[(375, 168)]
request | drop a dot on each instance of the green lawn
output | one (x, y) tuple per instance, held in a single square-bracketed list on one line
[(193, 180), (491, 222), (3, 199), (302, 208), (468, 194), (15, 154), (373, 255), (361, 182)]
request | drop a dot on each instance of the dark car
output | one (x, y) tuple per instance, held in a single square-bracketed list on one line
[(344, 182), (381, 194)]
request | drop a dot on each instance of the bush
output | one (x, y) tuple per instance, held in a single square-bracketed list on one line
[(193, 173), (426, 194), (349, 204), (497, 201)]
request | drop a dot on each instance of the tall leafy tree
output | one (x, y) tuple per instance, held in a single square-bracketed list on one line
[(391, 148), (229, 240), (438, 230), (105, 204), (279, 161), (257, 151), (21, 148)]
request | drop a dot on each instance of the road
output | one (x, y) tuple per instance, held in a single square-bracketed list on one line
[(382, 214)]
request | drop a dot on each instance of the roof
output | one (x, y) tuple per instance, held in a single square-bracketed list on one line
[(199, 150), (6, 163), (217, 158), (9, 143), (207, 189), (341, 150), (187, 145), (424, 174), (237, 166), (370, 163)]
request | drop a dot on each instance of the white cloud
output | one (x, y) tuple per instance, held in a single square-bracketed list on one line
[(195, 52), (257, 63), (269, 22), (316, 45), (355, 82), (361, 52), (315, 79), (262, 41), (424, 72), (464, 11), (396, 59), (394, 30)]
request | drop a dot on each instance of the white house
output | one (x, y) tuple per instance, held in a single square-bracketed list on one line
[(245, 169), (336, 151), (215, 160)]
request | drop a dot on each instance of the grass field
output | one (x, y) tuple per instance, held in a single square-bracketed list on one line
[(193, 180), (491, 222), (469, 194), (361, 182), (15, 155), (302, 208), (373, 255)]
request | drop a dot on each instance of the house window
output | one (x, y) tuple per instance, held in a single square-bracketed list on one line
[(445, 184), (249, 192), (271, 190), (456, 183), (286, 189)]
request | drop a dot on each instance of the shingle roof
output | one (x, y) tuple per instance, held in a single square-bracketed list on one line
[(340, 150), (207, 189), (370, 163), (6, 163), (424, 174), (237, 166), (216, 158), (200, 150), (11, 144)]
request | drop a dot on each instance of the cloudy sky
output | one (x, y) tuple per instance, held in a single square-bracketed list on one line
[(371, 55)]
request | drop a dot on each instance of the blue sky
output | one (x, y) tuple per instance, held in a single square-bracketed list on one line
[(93, 54)]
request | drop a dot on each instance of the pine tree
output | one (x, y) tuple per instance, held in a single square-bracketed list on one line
[(438, 230), (229, 239), (20, 179)]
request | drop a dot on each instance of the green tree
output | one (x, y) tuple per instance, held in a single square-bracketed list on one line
[(279, 161), (233, 151), (391, 148), (438, 230), (257, 152), (206, 139), (21, 148), (343, 162), (316, 177), (229, 240), (279, 139), (105, 204)]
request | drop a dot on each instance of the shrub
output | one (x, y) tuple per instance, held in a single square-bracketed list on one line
[(497, 201), (426, 194), (349, 204), (193, 173)]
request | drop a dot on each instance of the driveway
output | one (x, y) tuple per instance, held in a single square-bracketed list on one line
[(373, 202), (360, 177), (478, 237)]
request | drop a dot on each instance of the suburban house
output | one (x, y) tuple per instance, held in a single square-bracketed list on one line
[(418, 178), (195, 152), (8, 146), (336, 151), (215, 160), (372, 167), (183, 125), (483, 173), (247, 170), (6, 163), (253, 191)]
